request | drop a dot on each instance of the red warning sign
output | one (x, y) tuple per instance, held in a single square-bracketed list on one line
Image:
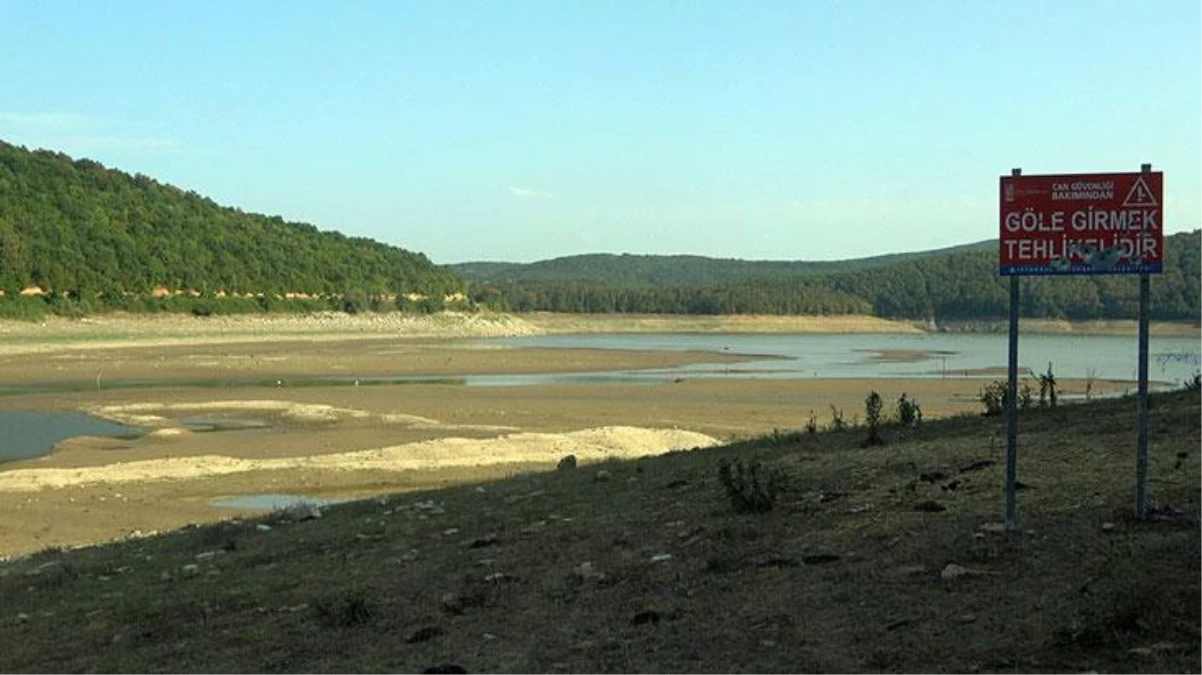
[(1108, 223)]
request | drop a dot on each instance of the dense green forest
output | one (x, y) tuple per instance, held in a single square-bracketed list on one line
[(955, 284), (102, 238)]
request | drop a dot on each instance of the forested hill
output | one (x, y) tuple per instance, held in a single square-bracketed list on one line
[(75, 228), (651, 271), (951, 284)]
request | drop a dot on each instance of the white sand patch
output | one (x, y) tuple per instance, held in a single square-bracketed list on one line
[(588, 445), (140, 414)]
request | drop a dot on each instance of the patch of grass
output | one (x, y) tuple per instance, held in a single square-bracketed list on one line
[(348, 610), (750, 487)]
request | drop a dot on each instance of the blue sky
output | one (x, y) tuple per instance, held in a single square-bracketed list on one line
[(803, 129)]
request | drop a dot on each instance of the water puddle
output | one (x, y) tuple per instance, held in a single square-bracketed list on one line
[(25, 435), (272, 502)]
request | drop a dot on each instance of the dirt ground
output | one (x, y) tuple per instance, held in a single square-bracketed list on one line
[(235, 412)]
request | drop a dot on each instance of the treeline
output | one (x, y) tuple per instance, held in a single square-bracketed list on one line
[(949, 286), (768, 296), (85, 233), (629, 271)]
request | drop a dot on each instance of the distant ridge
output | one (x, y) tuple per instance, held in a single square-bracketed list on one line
[(645, 271), (948, 284)]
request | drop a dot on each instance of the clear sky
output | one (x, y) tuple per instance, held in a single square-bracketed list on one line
[(520, 130)]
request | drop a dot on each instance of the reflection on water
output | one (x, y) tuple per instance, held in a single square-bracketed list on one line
[(273, 502), (24, 435)]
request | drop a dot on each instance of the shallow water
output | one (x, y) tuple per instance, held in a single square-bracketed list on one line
[(1171, 359), (24, 435), (273, 502)]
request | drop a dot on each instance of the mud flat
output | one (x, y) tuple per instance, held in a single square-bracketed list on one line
[(239, 407)]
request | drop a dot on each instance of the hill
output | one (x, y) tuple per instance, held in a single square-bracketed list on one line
[(628, 271), (961, 283), (81, 231), (881, 559)]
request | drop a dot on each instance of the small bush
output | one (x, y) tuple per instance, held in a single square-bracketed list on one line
[(812, 424), (1194, 384), (872, 416), (837, 423), (353, 609), (993, 397), (22, 308), (1026, 397), (747, 492), (909, 413), (1047, 389)]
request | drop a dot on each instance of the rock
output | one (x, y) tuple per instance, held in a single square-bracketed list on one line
[(978, 465), (447, 668), (994, 528), (954, 571), (190, 570), (1106, 527), (22, 617), (602, 476), (1140, 651), (566, 463), (968, 617), (44, 567), (263, 527), (587, 572), (645, 617), (451, 603), (487, 540), (423, 634), (661, 557), (207, 555)]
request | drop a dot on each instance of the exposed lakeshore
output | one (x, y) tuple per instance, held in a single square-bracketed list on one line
[(344, 441)]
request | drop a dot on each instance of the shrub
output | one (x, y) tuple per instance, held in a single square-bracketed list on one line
[(747, 493), (1047, 389), (22, 308), (812, 424), (1194, 384), (909, 413), (837, 423), (352, 609), (872, 416), (1026, 397), (993, 397)]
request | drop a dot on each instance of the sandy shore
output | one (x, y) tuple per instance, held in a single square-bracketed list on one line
[(237, 407)]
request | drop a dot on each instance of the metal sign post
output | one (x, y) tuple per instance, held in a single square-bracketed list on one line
[(1141, 445), (1012, 405), (1080, 224)]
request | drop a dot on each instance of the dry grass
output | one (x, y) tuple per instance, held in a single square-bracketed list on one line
[(646, 568)]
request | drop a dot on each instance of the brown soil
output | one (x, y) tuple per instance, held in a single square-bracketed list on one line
[(95, 489)]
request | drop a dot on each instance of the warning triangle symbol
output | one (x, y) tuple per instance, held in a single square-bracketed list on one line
[(1140, 195)]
